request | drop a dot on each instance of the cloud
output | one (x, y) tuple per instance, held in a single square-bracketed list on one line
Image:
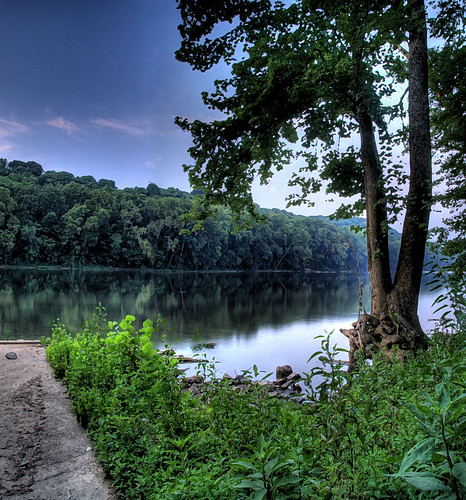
[(11, 127), (4, 148), (63, 124), (138, 129)]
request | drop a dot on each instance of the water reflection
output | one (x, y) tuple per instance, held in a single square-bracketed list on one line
[(208, 304), (264, 318)]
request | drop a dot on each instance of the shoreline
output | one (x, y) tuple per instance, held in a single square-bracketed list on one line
[(44, 452), (149, 270)]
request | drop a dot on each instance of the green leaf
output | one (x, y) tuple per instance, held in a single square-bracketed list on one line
[(289, 132), (147, 347), (270, 466), (444, 398), (459, 471), (260, 443), (425, 481), (245, 464), (285, 481), (256, 475), (259, 495), (247, 483), (421, 452), (314, 355), (143, 339)]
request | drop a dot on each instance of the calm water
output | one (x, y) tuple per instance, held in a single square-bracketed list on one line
[(265, 319)]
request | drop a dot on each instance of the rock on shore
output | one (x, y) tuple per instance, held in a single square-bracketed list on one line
[(285, 386)]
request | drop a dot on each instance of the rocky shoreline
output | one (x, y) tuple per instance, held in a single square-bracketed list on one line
[(285, 385)]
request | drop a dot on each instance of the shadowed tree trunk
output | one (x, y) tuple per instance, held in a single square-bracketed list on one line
[(394, 320)]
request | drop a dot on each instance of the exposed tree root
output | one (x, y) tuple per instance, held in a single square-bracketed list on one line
[(370, 335)]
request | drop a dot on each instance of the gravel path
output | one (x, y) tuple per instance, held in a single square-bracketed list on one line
[(44, 453)]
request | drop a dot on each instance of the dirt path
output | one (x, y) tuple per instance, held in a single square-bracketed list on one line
[(44, 453)]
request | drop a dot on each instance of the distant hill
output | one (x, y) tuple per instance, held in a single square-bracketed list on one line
[(57, 219)]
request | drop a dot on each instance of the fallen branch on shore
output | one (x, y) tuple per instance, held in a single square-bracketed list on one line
[(181, 358)]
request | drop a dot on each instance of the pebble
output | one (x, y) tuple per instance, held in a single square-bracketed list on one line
[(11, 355)]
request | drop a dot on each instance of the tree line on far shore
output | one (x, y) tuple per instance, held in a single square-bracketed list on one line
[(55, 218)]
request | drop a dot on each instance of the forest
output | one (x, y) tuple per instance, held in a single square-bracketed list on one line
[(57, 219)]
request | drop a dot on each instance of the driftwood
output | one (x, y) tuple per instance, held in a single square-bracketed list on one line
[(187, 359), (181, 358)]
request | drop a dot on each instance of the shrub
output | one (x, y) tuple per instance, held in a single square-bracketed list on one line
[(392, 430)]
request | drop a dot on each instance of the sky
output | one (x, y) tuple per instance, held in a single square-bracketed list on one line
[(92, 87)]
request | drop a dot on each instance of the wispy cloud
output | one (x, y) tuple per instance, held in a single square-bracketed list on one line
[(8, 130), (139, 129), (4, 148), (63, 124), (11, 127)]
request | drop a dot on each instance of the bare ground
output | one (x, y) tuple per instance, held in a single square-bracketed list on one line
[(44, 453)]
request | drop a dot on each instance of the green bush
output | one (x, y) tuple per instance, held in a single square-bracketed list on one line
[(392, 430)]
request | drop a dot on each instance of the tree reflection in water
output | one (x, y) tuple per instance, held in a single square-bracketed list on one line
[(250, 316)]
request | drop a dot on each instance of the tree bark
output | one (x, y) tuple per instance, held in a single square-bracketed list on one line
[(405, 294), (376, 218), (394, 320)]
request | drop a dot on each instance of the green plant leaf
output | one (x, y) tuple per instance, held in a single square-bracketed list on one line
[(287, 480), (444, 398), (421, 452), (147, 347), (144, 339), (248, 483), (270, 466), (459, 471), (425, 481), (314, 355), (148, 323), (259, 495), (245, 464)]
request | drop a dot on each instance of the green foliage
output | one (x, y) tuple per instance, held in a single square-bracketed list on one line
[(437, 462), (392, 430), (54, 218), (330, 371), (305, 73), (264, 472), (448, 96)]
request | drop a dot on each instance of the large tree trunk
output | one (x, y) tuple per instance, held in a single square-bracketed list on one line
[(376, 218), (405, 294), (393, 320)]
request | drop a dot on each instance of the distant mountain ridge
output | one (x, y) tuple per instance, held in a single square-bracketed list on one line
[(55, 218)]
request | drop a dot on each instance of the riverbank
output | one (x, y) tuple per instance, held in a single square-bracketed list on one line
[(44, 452), (161, 439)]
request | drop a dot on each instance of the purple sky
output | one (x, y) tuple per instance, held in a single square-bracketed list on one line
[(92, 87)]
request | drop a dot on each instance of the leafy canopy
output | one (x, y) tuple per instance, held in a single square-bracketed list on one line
[(302, 74)]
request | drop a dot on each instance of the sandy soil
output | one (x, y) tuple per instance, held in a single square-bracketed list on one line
[(44, 453)]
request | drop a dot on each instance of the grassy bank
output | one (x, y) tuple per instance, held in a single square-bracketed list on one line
[(396, 430)]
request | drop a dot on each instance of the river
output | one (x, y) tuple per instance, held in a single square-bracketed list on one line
[(266, 319)]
